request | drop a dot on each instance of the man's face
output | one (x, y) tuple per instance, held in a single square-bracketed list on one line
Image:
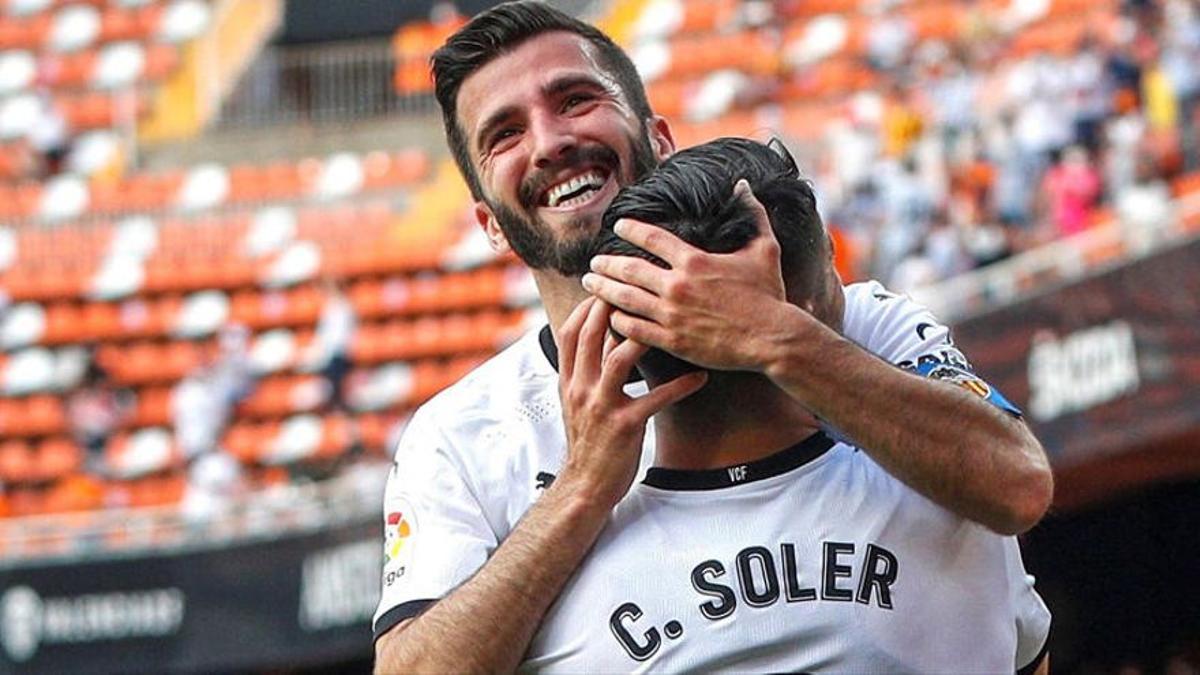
[(552, 139)]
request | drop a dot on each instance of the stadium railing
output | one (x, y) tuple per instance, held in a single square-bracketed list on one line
[(1060, 261), (281, 511), (320, 84)]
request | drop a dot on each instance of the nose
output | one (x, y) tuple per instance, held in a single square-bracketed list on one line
[(553, 139)]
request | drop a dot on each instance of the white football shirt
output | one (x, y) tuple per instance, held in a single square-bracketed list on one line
[(476, 456)]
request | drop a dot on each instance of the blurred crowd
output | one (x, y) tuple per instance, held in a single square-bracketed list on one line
[(967, 157), (202, 406)]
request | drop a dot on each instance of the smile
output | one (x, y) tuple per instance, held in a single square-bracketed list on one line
[(576, 190)]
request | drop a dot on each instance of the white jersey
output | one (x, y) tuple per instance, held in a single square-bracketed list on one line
[(475, 458)]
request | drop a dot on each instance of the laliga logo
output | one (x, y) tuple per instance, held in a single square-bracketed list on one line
[(397, 531), (399, 536), (20, 622)]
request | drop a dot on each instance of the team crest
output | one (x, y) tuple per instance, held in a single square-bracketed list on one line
[(399, 533), (963, 379)]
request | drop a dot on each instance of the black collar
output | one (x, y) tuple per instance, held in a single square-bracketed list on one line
[(550, 349), (773, 465)]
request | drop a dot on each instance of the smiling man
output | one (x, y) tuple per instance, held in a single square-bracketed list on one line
[(504, 482)]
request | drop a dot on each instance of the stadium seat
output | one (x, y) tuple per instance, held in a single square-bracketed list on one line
[(16, 462), (56, 458)]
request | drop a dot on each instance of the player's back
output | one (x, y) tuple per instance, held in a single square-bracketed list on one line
[(812, 559)]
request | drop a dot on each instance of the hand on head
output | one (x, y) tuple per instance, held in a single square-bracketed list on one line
[(712, 309)]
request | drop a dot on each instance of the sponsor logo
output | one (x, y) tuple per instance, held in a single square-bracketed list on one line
[(28, 621), (338, 586), (1081, 370)]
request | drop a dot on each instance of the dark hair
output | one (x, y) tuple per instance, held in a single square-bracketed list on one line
[(691, 196), (500, 30)]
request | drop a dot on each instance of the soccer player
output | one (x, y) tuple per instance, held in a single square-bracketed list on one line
[(756, 542), (503, 482)]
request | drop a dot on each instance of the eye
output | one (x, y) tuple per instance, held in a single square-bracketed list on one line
[(501, 136), (575, 99)]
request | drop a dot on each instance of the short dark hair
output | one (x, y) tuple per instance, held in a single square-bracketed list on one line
[(691, 196), (500, 30)]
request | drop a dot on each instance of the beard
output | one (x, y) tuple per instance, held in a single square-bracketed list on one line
[(535, 242)]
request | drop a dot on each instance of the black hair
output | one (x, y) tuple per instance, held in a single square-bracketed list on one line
[(500, 30), (691, 196)]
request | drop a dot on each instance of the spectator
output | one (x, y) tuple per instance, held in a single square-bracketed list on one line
[(1012, 193), (197, 412), (329, 352), (203, 401), (95, 410), (1071, 188), (1181, 53), (215, 481), (1144, 209), (908, 208), (889, 38), (1091, 94), (49, 136)]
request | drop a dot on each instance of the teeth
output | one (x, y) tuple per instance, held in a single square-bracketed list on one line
[(591, 178)]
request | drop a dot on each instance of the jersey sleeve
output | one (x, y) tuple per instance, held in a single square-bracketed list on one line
[(435, 532), (905, 333), (1030, 612)]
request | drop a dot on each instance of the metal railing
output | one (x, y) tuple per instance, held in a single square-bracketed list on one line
[(283, 511), (320, 84), (1055, 263)]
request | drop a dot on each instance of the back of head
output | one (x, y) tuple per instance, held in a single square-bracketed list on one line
[(691, 196), (500, 30)]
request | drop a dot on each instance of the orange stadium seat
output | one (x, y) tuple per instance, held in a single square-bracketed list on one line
[(56, 458), (43, 415), (161, 60), (160, 490), (16, 462), (10, 418), (245, 441), (73, 492), (707, 15), (117, 23), (335, 438), (153, 407), (101, 321)]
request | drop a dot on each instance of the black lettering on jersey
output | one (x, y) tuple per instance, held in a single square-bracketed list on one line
[(544, 480), (639, 651), (791, 576), (880, 568), (921, 328), (728, 601), (831, 571), (747, 560)]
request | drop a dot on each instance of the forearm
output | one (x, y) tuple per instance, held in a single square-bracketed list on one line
[(948, 444), (486, 624)]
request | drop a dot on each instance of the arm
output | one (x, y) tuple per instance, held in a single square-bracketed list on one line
[(943, 441), (486, 624), (729, 311)]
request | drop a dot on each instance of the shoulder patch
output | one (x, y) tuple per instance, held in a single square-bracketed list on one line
[(940, 370), (399, 540)]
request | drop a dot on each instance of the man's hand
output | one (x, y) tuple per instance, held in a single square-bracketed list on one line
[(605, 427), (720, 311)]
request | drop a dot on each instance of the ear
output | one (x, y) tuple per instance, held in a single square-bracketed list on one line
[(661, 138), (491, 227)]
